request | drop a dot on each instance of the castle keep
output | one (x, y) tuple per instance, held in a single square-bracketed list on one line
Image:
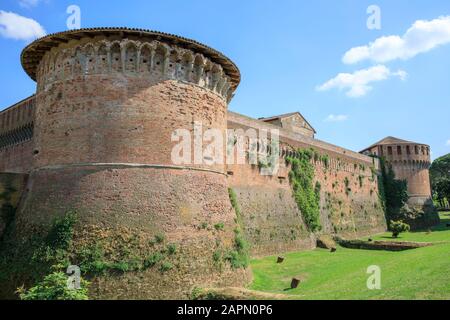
[(95, 139)]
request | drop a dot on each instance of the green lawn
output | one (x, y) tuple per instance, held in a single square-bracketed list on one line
[(415, 274)]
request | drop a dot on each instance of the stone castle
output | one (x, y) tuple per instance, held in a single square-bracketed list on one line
[(95, 139)]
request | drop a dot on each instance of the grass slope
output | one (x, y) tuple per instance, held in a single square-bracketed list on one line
[(414, 274)]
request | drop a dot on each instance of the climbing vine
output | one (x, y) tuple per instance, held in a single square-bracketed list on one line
[(306, 194), (393, 192), (238, 257)]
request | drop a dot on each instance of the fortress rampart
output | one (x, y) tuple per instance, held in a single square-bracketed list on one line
[(273, 222), (96, 139), (16, 134)]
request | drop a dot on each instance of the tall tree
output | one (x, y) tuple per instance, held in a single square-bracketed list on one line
[(440, 178)]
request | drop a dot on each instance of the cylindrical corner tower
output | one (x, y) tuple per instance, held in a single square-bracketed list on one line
[(108, 101), (410, 161)]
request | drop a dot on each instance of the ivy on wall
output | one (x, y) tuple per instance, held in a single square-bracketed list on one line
[(306, 194), (238, 257), (393, 192)]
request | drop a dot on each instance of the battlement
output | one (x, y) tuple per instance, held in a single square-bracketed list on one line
[(16, 122), (138, 53), (16, 136)]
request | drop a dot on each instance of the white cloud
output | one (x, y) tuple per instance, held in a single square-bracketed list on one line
[(28, 3), (17, 27), (357, 84), (336, 118), (421, 37), (448, 142)]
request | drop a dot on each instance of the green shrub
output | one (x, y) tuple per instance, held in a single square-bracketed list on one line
[(398, 227), (238, 257), (91, 260), (52, 250), (153, 259), (120, 266), (166, 266), (217, 255), (54, 287), (61, 232), (219, 226), (160, 238), (171, 249)]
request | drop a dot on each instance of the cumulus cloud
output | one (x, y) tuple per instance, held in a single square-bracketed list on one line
[(336, 118), (17, 27), (421, 37), (357, 84)]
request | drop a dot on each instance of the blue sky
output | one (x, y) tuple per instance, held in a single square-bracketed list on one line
[(286, 50)]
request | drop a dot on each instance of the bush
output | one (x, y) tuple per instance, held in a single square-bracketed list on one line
[(54, 287), (159, 238), (172, 249), (219, 226), (398, 227), (166, 266), (153, 259), (239, 257), (61, 232)]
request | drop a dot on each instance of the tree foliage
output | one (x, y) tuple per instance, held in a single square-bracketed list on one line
[(440, 179)]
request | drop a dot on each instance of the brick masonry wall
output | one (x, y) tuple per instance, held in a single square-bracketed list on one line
[(102, 148), (145, 202), (17, 158), (105, 113), (273, 223)]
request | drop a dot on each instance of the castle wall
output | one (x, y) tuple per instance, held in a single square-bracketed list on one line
[(17, 158), (144, 202), (16, 134), (106, 109), (99, 143), (273, 223)]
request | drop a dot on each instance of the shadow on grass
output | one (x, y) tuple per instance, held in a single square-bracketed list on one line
[(443, 226), (392, 238)]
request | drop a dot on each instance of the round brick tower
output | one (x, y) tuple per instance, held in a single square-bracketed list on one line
[(108, 102), (410, 161)]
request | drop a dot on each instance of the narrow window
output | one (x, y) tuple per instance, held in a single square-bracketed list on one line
[(390, 151), (399, 150)]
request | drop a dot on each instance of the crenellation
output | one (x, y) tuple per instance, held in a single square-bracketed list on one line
[(154, 60)]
